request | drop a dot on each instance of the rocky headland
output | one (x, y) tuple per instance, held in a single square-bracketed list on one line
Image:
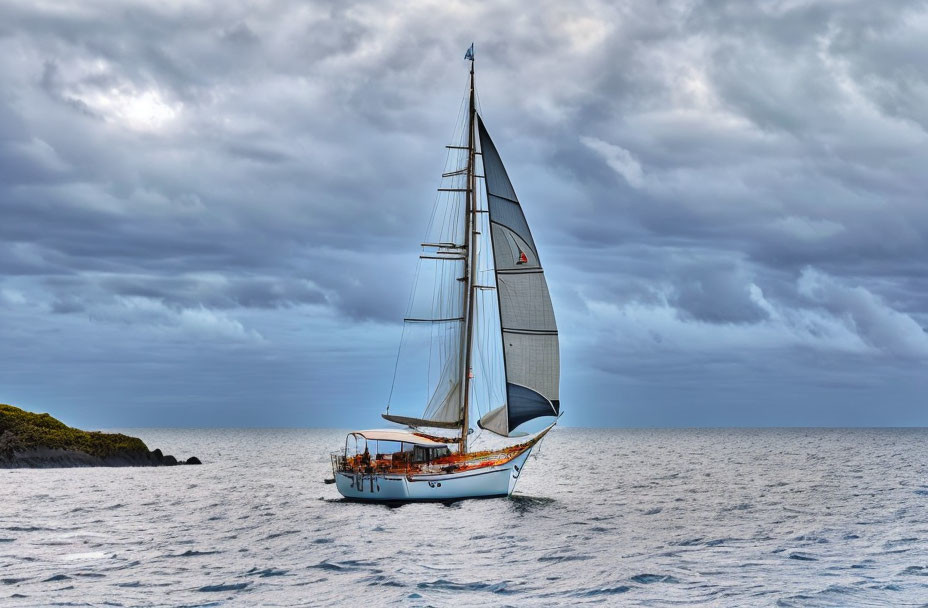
[(29, 440)]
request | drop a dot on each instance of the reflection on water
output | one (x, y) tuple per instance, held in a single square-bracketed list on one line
[(635, 517), (523, 504)]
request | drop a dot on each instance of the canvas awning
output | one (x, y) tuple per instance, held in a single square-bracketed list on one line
[(396, 435)]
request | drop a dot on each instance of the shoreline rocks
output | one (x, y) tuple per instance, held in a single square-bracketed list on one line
[(29, 440)]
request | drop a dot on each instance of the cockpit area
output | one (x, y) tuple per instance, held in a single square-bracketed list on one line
[(390, 451)]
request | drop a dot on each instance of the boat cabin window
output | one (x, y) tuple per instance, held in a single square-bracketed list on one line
[(425, 454), (389, 450), (378, 450)]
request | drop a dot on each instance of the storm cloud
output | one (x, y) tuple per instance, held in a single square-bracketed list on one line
[(210, 211)]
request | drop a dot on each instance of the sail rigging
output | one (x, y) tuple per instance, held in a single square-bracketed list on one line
[(436, 317), (521, 316)]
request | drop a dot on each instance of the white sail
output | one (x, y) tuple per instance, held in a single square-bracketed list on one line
[(435, 326)]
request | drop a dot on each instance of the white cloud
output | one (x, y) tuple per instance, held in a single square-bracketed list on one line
[(144, 313), (138, 110), (865, 313), (12, 297), (619, 160)]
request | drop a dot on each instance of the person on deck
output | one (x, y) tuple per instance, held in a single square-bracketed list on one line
[(366, 458)]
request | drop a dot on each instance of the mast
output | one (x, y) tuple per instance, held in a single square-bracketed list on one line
[(471, 235)]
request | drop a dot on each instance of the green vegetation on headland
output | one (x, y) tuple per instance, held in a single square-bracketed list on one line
[(39, 440), (32, 431)]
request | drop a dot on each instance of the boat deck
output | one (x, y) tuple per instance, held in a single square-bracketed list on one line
[(399, 463)]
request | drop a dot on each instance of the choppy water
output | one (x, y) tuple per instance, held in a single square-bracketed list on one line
[(629, 517)]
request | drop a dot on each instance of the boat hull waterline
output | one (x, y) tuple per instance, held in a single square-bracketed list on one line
[(487, 482)]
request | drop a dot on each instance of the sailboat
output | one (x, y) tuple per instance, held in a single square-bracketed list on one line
[(504, 298)]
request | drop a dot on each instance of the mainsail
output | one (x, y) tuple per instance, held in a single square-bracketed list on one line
[(529, 331), (445, 324)]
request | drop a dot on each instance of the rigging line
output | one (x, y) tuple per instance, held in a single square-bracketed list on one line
[(446, 283), (447, 163), (483, 362), (497, 387), (399, 349), (438, 204), (496, 343), (459, 223), (436, 291), (438, 201), (446, 279), (458, 128), (488, 387), (450, 203), (396, 367), (457, 125), (477, 98), (435, 205), (436, 339), (490, 370), (486, 354), (441, 311), (415, 286), (428, 373), (435, 310), (477, 382)]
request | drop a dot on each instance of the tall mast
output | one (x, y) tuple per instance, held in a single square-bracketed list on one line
[(471, 235)]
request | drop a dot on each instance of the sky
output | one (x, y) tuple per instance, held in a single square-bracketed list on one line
[(210, 211)]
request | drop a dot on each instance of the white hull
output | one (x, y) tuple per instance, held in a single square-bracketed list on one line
[(499, 480)]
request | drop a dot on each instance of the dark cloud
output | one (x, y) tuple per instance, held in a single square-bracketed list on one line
[(716, 295), (204, 203)]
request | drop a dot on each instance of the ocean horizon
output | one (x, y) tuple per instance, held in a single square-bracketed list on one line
[(141, 429)]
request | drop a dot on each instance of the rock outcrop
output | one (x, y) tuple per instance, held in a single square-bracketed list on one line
[(30, 440)]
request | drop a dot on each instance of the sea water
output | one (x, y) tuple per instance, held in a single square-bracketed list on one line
[(777, 517)]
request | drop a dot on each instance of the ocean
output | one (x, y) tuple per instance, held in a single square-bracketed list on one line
[(690, 517)]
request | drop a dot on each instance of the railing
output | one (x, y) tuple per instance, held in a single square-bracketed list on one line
[(338, 462), (356, 464)]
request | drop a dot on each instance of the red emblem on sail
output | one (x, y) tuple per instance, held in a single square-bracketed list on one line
[(522, 258)]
